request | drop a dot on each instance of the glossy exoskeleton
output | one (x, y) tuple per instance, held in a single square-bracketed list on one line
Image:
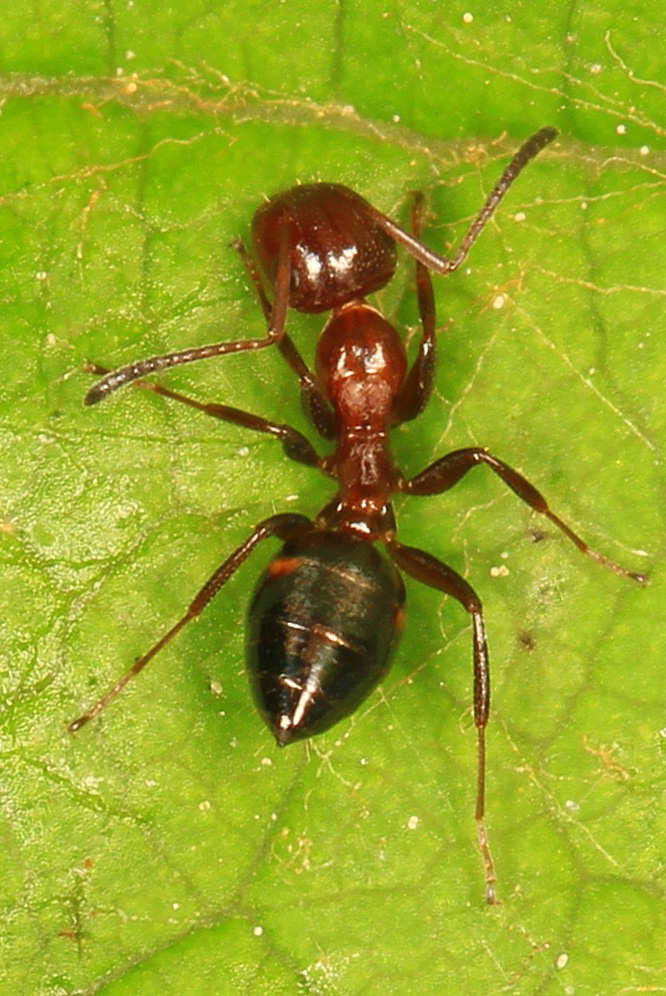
[(327, 613)]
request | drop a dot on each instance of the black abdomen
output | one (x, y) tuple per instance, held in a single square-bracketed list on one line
[(323, 623)]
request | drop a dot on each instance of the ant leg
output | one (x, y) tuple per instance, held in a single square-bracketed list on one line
[(125, 375), (314, 403), (284, 526), (425, 568), (294, 444), (251, 269), (417, 386), (441, 264), (444, 473)]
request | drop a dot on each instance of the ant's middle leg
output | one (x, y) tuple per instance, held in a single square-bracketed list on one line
[(448, 470), (295, 445)]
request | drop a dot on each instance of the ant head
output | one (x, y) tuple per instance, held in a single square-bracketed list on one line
[(337, 251)]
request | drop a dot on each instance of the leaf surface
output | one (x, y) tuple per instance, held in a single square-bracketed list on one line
[(170, 847)]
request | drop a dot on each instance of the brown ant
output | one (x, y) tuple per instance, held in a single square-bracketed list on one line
[(327, 612)]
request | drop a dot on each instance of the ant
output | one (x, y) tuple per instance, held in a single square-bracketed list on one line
[(327, 613)]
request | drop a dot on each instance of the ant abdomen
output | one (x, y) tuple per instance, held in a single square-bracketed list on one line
[(324, 620)]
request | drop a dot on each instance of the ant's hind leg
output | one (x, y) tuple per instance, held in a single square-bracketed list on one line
[(428, 570), (284, 526)]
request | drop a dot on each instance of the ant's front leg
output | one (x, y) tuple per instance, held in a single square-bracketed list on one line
[(416, 389), (275, 332), (313, 400)]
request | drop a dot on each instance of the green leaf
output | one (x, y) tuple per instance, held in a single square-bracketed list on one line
[(170, 847)]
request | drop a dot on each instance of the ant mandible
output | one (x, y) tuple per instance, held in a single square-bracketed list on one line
[(327, 612)]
